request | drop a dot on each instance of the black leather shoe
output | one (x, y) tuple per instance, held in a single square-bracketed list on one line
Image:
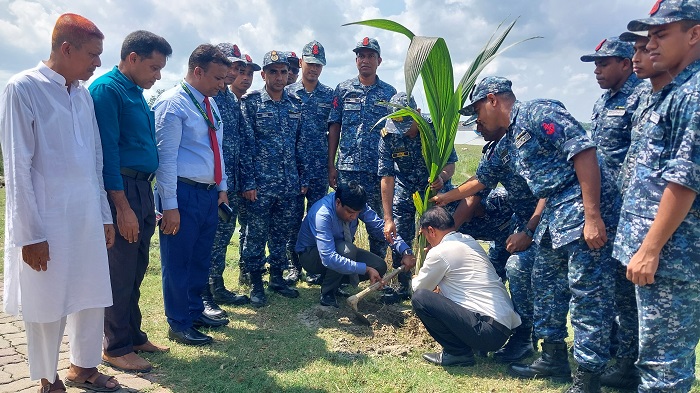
[(293, 275), (189, 336), (390, 296), (257, 296), (205, 321), (314, 279), (212, 310), (341, 293), (445, 359), (329, 300), (277, 284)]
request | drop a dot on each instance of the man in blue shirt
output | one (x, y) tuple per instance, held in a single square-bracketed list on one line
[(127, 130), (191, 184), (325, 241)]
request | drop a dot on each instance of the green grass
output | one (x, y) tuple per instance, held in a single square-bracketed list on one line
[(271, 350)]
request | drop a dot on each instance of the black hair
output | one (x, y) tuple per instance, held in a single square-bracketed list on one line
[(206, 54), (144, 43), (438, 218), (352, 195)]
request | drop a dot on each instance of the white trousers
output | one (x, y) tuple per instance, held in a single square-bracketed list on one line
[(85, 332)]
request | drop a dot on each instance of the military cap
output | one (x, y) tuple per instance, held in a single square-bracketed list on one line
[(293, 60), (368, 43), (231, 51), (400, 126), (610, 47), (488, 85), (275, 57), (314, 53), (632, 36), (667, 11), (249, 62)]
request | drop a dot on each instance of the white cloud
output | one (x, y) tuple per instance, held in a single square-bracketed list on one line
[(547, 67)]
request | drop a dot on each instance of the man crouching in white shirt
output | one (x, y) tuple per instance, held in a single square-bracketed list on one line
[(458, 295)]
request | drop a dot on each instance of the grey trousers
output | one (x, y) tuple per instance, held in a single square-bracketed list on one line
[(311, 261)]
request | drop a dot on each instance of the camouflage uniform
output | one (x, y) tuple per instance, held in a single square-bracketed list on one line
[(315, 107), (357, 109), (611, 125), (543, 138), (234, 130), (666, 149), (496, 166), (278, 175), (401, 157)]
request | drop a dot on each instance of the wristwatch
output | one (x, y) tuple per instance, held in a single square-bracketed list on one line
[(529, 233)]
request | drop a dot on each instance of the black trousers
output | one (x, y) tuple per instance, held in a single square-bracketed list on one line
[(127, 266), (457, 329), (311, 262)]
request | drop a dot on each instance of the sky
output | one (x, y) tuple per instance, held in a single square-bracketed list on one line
[(548, 67)]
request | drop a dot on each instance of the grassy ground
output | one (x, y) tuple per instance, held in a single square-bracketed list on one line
[(297, 346)]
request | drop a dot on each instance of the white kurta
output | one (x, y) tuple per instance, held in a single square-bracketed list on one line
[(53, 175)]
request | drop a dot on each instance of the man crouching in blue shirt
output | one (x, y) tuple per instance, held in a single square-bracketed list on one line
[(325, 241)]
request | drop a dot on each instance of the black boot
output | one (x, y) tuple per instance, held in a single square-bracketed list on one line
[(211, 309), (404, 292), (278, 285), (257, 291), (553, 363), (222, 295), (622, 375), (294, 270), (585, 382), (518, 347)]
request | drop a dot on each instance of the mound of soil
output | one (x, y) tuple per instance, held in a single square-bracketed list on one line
[(393, 330)]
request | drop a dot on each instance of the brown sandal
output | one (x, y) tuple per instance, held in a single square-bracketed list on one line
[(98, 385), (55, 387)]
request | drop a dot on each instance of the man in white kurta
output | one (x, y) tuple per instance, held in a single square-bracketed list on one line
[(58, 221), (471, 308)]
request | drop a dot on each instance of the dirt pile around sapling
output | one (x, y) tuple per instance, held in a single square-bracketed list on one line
[(394, 329)]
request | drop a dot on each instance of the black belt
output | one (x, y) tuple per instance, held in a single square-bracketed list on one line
[(206, 186), (496, 325), (128, 172)]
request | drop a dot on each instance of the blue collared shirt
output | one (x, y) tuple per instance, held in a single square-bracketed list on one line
[(183, 143), (127, 127), (322, 227)]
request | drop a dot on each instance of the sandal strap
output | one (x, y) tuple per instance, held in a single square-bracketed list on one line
[(102, 379)]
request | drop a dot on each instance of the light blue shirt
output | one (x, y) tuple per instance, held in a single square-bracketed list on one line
[(184, 148), (322, 227)]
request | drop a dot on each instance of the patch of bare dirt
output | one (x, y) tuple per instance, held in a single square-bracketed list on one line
[(394, 330)]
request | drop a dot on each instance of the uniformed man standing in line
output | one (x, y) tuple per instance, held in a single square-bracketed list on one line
[(559, 163), (274, 118), (239, 87), (234, 129), (403, 172), (294, 65), (611, 130), (316, 101), (356, 109), (659, 228)]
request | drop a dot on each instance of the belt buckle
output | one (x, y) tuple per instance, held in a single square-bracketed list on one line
[(210, 186)]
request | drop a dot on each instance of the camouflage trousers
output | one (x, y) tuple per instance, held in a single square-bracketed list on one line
[(626, 312), (404, 212), (584, 276), (519, 271), (318, 188), (269, 221), (669, 311), (372, 185), (224, 233)]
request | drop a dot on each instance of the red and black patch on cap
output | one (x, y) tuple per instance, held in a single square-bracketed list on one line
[(314, 50), (549, 128), (597, 48), (248, 59), (656, 7), (236, 51), (292, 54), (365, 41)]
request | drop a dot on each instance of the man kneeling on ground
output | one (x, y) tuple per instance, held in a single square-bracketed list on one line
[(458, 295), (325, 242)]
